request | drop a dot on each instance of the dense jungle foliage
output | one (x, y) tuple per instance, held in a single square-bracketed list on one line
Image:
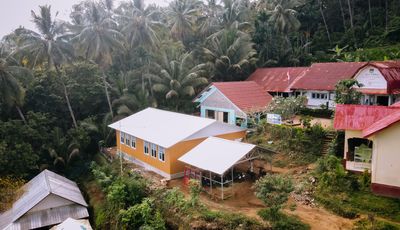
[(64, 82)]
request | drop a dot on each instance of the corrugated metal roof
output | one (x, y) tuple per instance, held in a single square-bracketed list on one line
[(382, 124), (215, 129), (162, 127), (36, 190), (49, 217), (359, 117), (390, 71), (278, 79), (246, 95), (324, 76), (216, 154)]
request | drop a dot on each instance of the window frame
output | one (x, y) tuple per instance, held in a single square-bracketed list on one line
[(146, 145), (161, 150), (122, 137), (127, 139), (133, 142), (153, 147)]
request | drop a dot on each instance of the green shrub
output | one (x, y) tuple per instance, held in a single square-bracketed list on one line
[(373, 224), (142, 216), (195, 190), (336, 205), (274, 191), (321, 113), (282, 221), (331, 174), (230, 220)]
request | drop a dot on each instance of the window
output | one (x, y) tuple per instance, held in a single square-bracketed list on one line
[(146, 148), (154, 150), (210, 114), (127, 139), (226, 116), (133, 142), (122, 137), (161, 153), (319, 96)]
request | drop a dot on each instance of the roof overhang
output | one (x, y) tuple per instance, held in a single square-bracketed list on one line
[(217, 155)]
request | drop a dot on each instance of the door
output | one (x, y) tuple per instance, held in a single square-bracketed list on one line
[(382, 100)]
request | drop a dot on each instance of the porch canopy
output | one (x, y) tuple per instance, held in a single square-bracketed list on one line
[(217, 155)]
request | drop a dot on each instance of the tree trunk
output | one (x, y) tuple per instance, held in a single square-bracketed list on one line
[(343, 17), (107, 93), (21, 114), (386, 15), (370, 13), (323, 18), (71, 112), (350, 13)]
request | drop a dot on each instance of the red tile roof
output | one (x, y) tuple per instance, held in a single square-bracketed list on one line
[(359, 117), (247, 95), (382, 124), (278, 79), (324, 76)]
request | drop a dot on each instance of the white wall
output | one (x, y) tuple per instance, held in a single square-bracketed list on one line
[(316, 103), (371, 78), (386, 156), (51, 201)]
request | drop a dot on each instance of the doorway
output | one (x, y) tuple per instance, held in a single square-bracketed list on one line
[(382, 100)]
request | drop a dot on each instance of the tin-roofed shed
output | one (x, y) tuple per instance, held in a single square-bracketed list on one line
[(47, 199)]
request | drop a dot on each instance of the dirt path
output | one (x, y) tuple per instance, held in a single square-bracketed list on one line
[(319, 218)]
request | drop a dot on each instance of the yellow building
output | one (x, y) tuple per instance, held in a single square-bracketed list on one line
[(155, 138), (372, 143)]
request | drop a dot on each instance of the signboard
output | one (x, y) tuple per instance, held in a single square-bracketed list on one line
[(274, 119)]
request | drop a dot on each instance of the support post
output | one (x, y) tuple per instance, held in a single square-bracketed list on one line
[(210, 184), (232, 180), (222, 186)]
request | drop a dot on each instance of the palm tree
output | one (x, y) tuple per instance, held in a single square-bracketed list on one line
[(63, 151), (231, 54), (139, 25), (177, 78), (49, 46), (181, 18), (210, 20), (11, 92), (98, 39), (283, 16)]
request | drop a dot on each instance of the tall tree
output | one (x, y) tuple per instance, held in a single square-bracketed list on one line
[(98, 39), (181, 18), (324, 20), (231, 53), (140, 25), (11, 92), (177, 78), (283, 16), (49, 46)]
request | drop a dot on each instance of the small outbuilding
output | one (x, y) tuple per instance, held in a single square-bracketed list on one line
[(372, 144), (48, 199), (213, 161)]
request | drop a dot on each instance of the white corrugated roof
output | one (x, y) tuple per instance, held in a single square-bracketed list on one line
[(37, 189), (162, 127), (216, 154)]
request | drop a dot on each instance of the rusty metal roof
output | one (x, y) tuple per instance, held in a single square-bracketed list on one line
[(278, 79), (246, 95), (325, 76), (381, 124), (390, 70), (360, 117), (36, 190)]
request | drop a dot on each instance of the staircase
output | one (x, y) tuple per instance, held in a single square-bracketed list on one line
[(327, 141)]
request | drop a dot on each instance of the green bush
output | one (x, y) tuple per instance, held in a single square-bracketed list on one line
[(336, 205), (274, 191), (331, 174), (373, 224), (230, 220), (282, 221), (321, 113)]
